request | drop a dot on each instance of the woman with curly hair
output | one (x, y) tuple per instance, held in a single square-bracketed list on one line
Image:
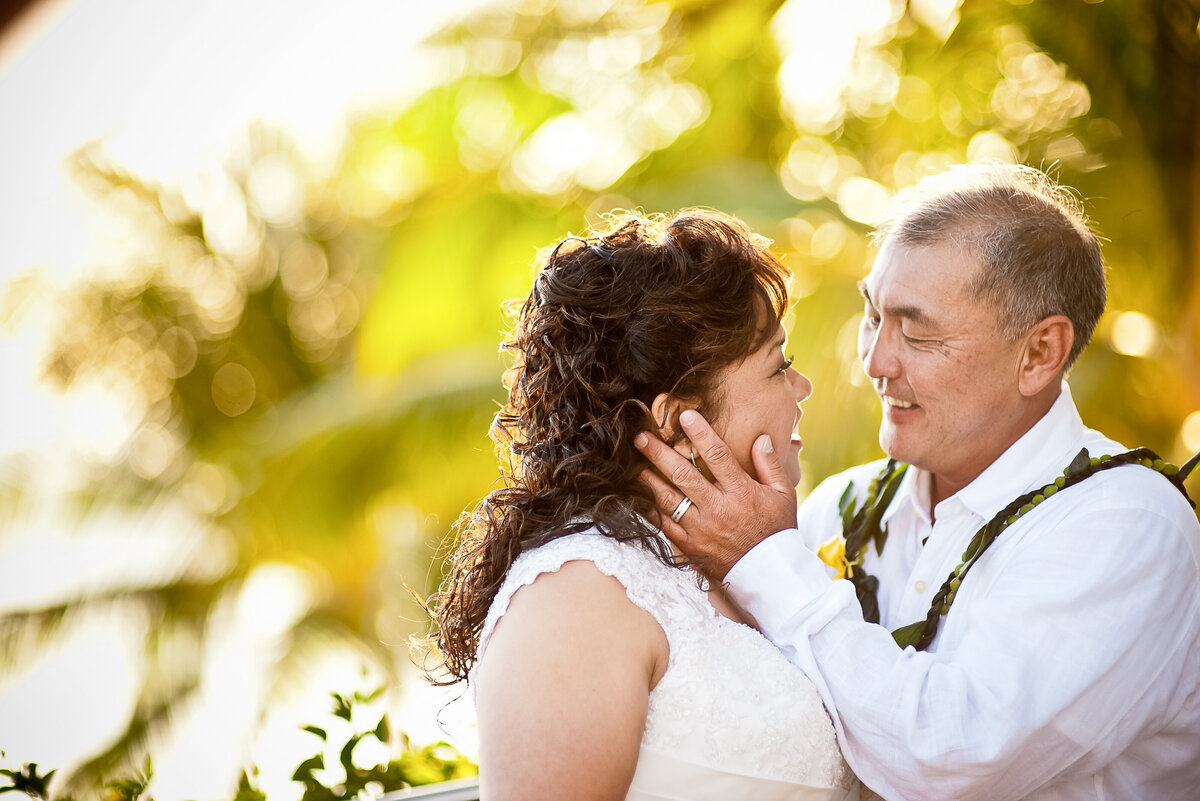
[(603, 665)]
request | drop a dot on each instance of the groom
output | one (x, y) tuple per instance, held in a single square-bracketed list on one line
[(1063, 659)]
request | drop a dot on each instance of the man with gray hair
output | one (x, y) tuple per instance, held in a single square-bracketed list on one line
[(1022, 615)]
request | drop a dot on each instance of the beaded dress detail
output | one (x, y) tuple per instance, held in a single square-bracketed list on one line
[(731, 717)]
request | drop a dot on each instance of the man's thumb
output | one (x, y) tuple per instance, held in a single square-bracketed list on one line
[(768, 467)]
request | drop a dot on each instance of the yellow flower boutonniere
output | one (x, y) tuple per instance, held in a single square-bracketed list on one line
[(833, 553)]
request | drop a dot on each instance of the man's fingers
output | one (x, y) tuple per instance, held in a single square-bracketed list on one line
[(769, 468), (667, 498), (678, 470), (716, 454)]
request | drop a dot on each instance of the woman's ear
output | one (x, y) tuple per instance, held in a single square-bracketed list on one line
[(665, 410)]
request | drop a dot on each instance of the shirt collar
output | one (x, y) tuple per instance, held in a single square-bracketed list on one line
[(913, 494), (1046, 447)]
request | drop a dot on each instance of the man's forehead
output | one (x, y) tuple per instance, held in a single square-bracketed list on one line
[(918, 282), (934, 270)]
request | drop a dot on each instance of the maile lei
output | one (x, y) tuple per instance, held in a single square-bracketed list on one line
[(861, 524)]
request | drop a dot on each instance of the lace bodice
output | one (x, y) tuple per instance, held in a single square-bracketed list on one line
[(728, 701)]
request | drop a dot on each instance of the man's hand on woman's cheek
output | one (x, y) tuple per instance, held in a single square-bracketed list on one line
[(727, 516)]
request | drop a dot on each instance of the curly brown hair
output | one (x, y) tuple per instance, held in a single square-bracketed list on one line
[(653, 305)]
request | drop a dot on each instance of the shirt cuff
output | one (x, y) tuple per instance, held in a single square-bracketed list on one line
[(777, 578)]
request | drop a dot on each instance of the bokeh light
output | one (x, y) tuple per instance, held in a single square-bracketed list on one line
[(255, 351), (1190, 432), (1135, 334)]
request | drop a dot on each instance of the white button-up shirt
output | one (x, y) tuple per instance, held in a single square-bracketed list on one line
[(1068, 666)]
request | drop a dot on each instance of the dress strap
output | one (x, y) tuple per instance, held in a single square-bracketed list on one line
[(649, 583)]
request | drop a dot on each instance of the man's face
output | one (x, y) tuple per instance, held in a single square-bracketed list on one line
[(945, 376)]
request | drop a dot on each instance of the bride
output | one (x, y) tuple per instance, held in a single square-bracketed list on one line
[(603, 665)]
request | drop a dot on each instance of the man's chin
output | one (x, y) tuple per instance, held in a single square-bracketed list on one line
[(894, 446)]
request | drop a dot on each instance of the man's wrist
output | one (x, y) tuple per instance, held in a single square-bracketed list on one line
[(777, 577)]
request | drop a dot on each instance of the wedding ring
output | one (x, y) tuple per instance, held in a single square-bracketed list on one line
[(683, 506)]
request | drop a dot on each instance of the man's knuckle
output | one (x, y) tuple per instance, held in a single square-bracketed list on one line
[(680, 474), (717, 452), (743, 495), (721, 514)]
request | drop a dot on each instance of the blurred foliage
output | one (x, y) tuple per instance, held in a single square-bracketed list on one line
[(27, 780), (412, 767), (310, 349), (434, 763), (36, 785)]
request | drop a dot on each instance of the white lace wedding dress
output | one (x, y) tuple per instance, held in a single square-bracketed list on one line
[(731, 718)]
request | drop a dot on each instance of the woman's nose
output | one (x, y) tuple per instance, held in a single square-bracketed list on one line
[(801, 385)]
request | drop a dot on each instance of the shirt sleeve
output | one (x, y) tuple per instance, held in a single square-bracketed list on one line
[(818, 518), (1074, 641), (782, 572)]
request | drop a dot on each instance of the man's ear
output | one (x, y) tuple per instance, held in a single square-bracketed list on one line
[(1044, 356), (665, 410)]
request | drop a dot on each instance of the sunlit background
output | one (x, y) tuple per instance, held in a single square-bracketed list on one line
[(253, 260)]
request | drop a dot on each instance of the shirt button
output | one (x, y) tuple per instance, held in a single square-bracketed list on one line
[(919, 586)]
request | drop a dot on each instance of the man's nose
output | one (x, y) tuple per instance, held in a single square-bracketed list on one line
[(877, 350)]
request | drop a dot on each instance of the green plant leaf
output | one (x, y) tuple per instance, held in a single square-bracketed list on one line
[(1081, 461), (303, 772), (909, 635)]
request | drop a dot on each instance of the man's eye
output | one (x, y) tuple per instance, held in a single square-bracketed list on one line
[(916, 340)]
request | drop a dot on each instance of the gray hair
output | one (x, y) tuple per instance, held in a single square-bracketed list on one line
[(1039, 255)]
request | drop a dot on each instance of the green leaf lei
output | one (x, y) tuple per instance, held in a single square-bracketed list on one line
[(861, 525)]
